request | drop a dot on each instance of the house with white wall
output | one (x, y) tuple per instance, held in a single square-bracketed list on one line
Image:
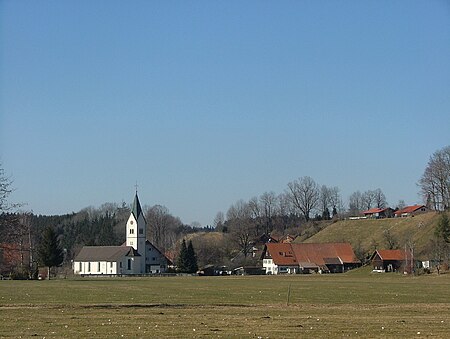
[(136, 256)]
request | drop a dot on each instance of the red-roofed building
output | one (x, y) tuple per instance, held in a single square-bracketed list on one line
[(379, 213), (282, 258), (389, 260), (411, 211)]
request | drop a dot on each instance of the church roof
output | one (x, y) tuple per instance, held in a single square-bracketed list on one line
[(136, 209), (105, 253)]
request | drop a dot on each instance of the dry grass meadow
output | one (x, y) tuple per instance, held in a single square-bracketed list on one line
[(355, 304)]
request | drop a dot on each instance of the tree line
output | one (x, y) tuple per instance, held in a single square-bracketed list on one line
[(303, 208)]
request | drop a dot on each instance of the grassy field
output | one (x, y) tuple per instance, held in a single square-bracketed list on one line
[(356, 304), (367, 233)]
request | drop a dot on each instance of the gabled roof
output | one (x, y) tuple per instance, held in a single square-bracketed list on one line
[(374, 210), (264, 238), (409, 209), (318, 254), (105, 253), (136, 209), (147, 242), (390, 254), (281, 254)]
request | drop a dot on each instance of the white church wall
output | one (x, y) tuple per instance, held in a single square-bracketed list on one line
[(95, 267)]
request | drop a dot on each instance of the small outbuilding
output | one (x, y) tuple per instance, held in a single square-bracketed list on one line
[(379, 213), (388, 260)]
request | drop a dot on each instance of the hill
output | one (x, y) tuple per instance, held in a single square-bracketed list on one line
[(366, 235)]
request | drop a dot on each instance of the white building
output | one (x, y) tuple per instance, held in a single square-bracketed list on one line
[(136, 256)]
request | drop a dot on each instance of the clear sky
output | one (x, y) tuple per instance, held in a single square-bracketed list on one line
[(203, 103)]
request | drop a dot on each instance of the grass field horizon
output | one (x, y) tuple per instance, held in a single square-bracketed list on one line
[(368, 234), (355, 304)]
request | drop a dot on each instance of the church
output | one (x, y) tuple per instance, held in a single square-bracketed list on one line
[(136, 256)]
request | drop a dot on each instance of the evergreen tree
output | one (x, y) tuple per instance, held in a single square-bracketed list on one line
[(49, 251), (182, 262), (326, 214), (334, 211), (442, 230), (192, 259)]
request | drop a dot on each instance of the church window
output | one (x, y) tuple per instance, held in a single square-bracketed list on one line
[(98, 270), (129, 264), (131, 243), (81, 266), (111, 264), (141, 231), (131, 230), (120, 265), (89, 267)]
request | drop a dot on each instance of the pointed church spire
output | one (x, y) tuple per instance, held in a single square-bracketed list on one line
[(136, 209)]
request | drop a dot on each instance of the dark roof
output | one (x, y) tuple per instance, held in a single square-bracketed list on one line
[(105, 253), (136, 209), (332, 261)]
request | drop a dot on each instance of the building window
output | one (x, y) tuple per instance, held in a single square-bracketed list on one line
[(111, 264), (129, 264), (120, 264), (131, 230), (98, 267), (131, 243), (89, 267), (141, 231)]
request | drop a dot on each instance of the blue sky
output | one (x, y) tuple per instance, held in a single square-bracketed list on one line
[(206, 102)]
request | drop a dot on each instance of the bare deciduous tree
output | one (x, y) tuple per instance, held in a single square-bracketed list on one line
[(380, 198), (369, 199), (255, 210), (242, 232), (268, 202), (401, 204), (435, 181), (5, 190), (389, 238), (161, 226), (356, 203), (304, 195), (219, 221)]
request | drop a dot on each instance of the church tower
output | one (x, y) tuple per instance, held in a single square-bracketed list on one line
[(137, 231)]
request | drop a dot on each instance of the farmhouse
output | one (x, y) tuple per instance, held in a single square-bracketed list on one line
[(136, 256), (411, 211), (289, 258)]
